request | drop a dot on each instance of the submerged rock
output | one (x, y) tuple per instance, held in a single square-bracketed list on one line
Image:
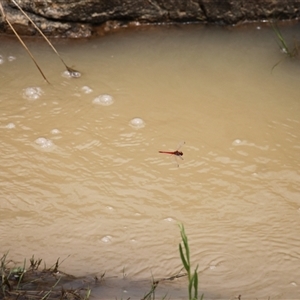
[(77, 18)]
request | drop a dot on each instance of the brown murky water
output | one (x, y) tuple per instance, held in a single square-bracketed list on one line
[(83, 179)]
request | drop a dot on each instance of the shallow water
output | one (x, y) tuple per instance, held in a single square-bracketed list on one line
[(79, 177)]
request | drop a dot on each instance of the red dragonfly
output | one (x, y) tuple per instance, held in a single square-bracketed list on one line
[(176, 153)]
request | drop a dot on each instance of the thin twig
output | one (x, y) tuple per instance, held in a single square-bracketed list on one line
[(21, 41), (70, 70)]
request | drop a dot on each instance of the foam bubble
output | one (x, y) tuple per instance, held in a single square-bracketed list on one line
[(104, 100), (137, 123), (55, 131), (73, 74), (294, 283), (10, 125), (86, 89), (43, 142), (106, 239), (32, 93), (237, 142), (11, 58), (169, 219), (1, 60)]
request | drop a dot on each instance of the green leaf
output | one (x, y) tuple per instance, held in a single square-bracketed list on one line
[(190, 289), (196, 284), (184, 262), (185, 243)]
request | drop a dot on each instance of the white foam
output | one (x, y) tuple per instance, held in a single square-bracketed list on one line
[(106, 239), (43, 142), (237, 142), (68, 74), (10, 126), (55, 131), (137, 123), (86, 89), (11, 58), (32, 93), (104, 100)]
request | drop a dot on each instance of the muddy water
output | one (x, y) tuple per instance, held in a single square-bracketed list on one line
[(81, 176)]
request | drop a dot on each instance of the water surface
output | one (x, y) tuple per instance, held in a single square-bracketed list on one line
[(79, 179)]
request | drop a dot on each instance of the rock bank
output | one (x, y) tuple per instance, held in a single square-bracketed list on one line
[(83, 18)]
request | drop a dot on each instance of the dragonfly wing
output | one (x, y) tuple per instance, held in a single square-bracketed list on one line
[(180, 145)]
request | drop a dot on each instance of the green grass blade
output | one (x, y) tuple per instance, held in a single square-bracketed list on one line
[(196, 284), (190, 289), (21, 276), (185, 243), (184, 262), (280, 40)]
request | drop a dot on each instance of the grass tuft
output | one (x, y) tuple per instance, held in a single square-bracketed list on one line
[(283, 45), (185, 258), (20, 283)]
